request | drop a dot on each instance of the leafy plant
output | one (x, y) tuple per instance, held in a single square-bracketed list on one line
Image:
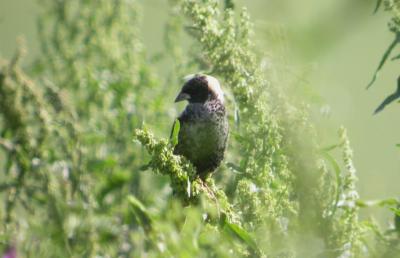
[(392, 6), (74, 147)]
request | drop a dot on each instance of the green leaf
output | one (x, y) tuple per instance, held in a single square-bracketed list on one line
[(332, 161), (235, 168), (336, 168), (331, 147), (397, 219), (362, 204), (384, 59), (381, 203), (229, 4), (237, 117), (395, 211), (378, 4), (114, 182), (140, 212), (395, 58), (103, 164), (388, 202), (398, 145), (145, 167), (175, 133), (238, 232)]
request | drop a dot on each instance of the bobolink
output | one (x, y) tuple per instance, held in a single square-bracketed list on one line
[(203, 124)]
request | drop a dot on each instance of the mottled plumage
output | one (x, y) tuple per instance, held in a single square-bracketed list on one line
[(203, 124)]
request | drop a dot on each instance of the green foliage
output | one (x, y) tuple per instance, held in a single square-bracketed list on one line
[(182, 174), (175, 132), (392, 6), (74, 184), (139, 210)]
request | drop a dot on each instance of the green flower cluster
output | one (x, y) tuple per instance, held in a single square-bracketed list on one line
[(181, 172)]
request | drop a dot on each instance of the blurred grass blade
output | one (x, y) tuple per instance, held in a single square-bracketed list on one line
[(395, 57), (145, 167), (140, 213), (378, 5), (395, 211), (229, 4), (397, 219), (332, 161), (115, 181), (237, 117), (331, 147), (388, 202), (389, 99), (336, 168), (238, 232), (384, 59), (380, 203), (175, 133), (235, 168)]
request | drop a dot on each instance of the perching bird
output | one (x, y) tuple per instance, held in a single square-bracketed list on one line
[(203, 124), (390, 98)]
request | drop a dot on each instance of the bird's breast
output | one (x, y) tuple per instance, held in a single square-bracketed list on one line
[(202, 136)]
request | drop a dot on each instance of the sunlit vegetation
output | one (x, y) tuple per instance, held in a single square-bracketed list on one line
[(87, 171)]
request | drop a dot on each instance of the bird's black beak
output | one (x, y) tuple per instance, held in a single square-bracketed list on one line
[(182, 96)]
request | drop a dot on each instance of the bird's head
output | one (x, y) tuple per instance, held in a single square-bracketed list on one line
[(200, 88)]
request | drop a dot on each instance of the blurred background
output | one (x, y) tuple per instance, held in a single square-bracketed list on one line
[(334, 45)]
